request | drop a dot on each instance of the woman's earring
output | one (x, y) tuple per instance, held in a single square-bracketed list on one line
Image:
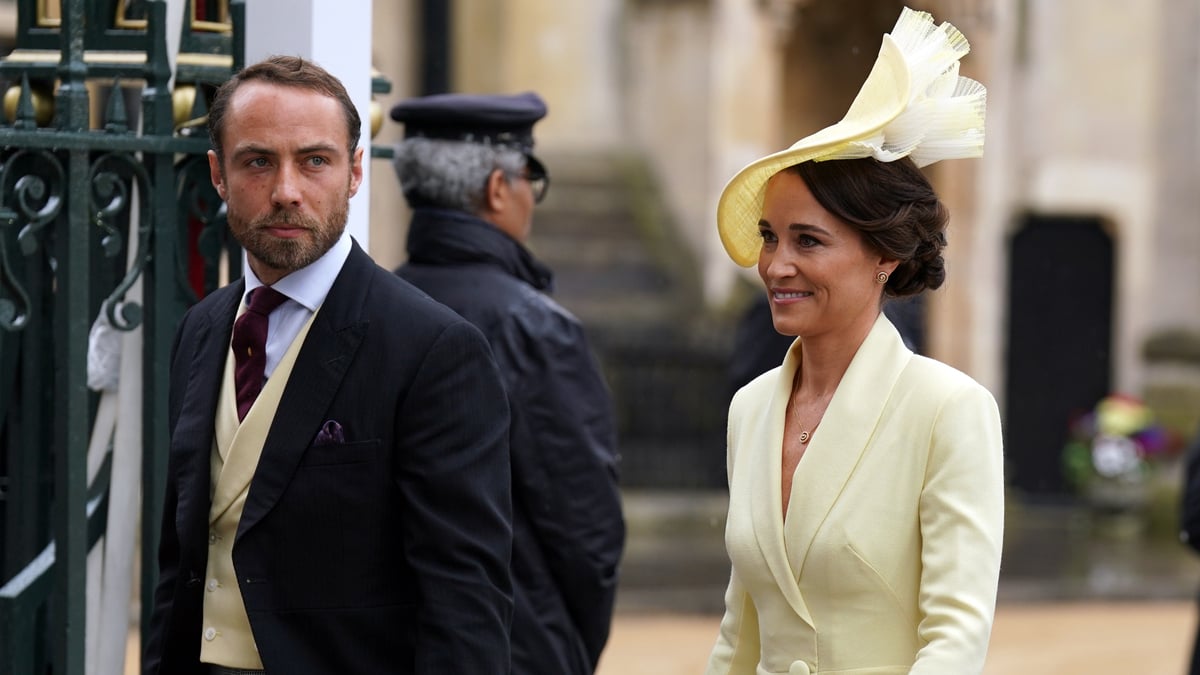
[(882, 277)]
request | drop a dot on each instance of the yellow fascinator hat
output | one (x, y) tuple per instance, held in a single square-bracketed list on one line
[(912, 104)]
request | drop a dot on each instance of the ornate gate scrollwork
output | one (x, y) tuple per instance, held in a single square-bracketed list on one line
[(31, 196), (111, 178)]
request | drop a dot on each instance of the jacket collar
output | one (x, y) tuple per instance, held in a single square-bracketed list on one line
[(447, 237), (832, 454)]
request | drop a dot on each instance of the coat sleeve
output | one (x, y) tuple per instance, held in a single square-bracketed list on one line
[(565, 466), (458, 510), (738, 646), (962, 524)]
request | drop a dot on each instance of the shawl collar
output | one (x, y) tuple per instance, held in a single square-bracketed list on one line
[(446, 237), (831, 457)]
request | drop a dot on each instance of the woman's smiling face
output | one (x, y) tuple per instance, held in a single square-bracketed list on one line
[(818, 271)]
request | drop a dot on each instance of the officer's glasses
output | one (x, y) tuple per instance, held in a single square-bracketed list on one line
[(539, 183)]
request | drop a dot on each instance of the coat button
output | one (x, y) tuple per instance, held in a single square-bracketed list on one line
[(800, 668), (210, 634), (212, 585)]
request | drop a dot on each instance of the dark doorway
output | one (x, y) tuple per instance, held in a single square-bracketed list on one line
[(1059, 341)]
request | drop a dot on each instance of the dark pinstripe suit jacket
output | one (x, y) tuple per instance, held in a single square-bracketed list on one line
[(388, 553)]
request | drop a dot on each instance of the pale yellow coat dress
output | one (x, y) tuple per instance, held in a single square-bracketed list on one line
[(889, 557)]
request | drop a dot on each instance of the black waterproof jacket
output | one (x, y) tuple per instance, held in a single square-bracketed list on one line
[(569, 531)]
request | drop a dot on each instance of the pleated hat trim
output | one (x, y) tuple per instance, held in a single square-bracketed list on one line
[(912, 104)]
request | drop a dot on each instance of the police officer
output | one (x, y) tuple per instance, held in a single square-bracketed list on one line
[(467, 169)]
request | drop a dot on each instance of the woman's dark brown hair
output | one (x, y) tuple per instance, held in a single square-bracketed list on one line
[(895, 209)]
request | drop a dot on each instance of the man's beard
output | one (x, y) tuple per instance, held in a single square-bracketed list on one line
[(289, 255)]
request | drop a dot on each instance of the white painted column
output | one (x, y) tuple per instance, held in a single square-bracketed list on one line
[(336, 36)]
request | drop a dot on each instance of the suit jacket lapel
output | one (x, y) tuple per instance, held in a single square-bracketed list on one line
[(335, 335), (845, 431), (192, 437), (768, 513)]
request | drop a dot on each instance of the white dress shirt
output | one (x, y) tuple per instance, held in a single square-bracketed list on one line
[(306, 289)]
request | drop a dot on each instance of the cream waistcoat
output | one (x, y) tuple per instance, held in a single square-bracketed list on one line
[(226, 638)]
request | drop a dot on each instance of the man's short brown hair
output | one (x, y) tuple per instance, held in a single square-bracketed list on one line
[(287, 71)]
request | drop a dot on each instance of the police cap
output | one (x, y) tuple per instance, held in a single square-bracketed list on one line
[(496, 120)]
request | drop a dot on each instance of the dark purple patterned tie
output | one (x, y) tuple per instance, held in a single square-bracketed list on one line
[(250, 346)]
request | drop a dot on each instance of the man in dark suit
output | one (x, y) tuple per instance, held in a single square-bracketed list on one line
[(338, 495), (467, 168), (1189, 522)]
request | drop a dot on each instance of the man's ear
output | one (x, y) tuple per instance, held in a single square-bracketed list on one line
[(498, 192), (215, 174), (356, 170)]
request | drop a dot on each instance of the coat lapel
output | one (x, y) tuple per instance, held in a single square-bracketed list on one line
[(843, 435), (335, 335)]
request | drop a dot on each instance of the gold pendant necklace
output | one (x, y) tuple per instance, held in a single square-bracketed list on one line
[(805, 434)]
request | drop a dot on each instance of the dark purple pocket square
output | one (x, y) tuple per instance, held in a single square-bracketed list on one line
[(330, 434)]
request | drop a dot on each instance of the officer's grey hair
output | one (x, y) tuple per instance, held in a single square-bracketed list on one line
[(451, 174)]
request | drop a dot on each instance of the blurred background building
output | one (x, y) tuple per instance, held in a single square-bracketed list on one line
[(1074, 242)]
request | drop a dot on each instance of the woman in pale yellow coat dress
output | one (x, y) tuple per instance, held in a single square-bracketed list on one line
[(866, 488)]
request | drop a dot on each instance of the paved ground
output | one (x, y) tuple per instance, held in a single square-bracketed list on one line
[(1077, 596), (1082, 638)]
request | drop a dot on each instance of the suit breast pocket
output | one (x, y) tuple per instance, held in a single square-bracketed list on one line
[(327, 454)]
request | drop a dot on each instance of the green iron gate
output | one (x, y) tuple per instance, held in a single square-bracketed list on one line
[(78, 165)]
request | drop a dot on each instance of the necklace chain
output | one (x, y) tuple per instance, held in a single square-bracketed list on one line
[(805, 433)]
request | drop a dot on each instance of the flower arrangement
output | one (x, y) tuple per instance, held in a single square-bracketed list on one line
[(1115, 449)]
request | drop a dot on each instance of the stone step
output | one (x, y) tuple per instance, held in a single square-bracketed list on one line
[(616, 279), (584, 166), (585, 226), (602, 264), (602, 316), (611, 200), (588, 232), (589, 250)]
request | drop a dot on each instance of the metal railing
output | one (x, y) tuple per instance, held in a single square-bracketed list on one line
[(119, 220)]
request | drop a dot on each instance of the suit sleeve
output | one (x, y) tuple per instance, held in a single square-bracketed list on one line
[(154, 656), (737, 649), (962, 524), (164, 591), (565, 466), (738, 646), (454, 474), (1190, 516)]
